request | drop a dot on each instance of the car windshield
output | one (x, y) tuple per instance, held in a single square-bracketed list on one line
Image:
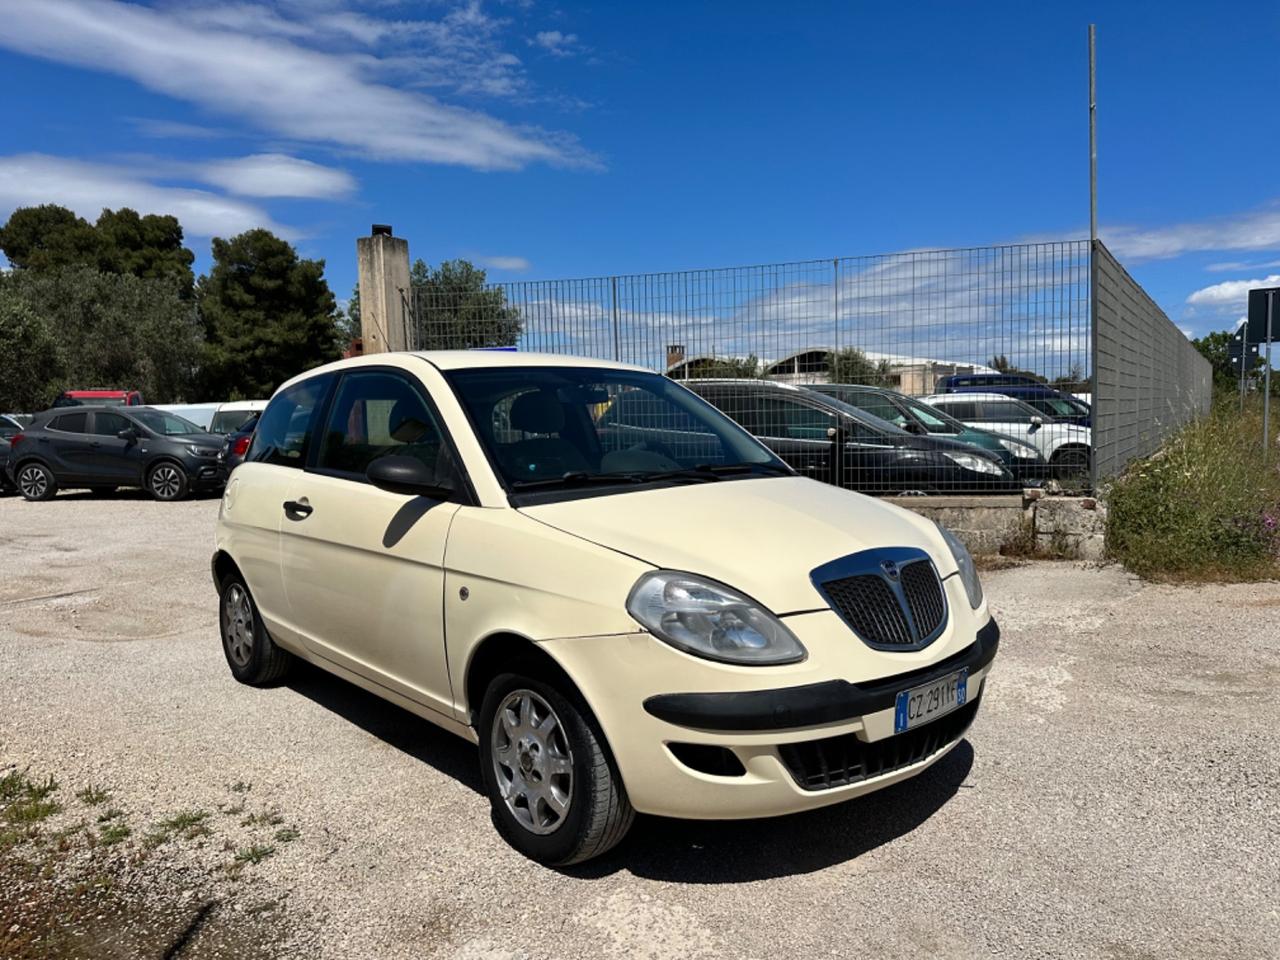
[(166, 424), (934, 420), (868, 419), (1059, 407), (559, 427), (229, 421)]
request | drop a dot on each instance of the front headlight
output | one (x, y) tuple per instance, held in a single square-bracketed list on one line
[(207, 453), (964, 560), (707, 619), (973, 462), (1020, 450)]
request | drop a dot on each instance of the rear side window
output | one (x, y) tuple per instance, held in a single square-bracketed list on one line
[(109, 424), (284, 432), (70, 423), (967, 410), (1006, 412), (378, 414)]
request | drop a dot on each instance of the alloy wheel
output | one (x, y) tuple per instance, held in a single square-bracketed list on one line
[(33, 483), (166, 482), (532, 761), (237, 624)]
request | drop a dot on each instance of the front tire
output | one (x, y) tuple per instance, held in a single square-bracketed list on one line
[(1072, 467), (36, 482), (167, 481), (555, 792), (251, 654)]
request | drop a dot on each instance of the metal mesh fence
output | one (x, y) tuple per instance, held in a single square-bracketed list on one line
[(1150, 379), (935, 371)]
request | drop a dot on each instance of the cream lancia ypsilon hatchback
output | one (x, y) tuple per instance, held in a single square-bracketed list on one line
[(626, 601)]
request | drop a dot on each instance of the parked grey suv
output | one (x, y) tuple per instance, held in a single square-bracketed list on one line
[(107, 447)]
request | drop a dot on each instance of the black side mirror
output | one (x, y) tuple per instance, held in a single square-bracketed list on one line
[(912, 427), (409, 475), (128, 433)]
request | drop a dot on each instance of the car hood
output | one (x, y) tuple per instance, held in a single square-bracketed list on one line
[(761, 536)]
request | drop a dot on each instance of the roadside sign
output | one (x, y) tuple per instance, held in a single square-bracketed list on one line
[(1257, 325), (1238, 348)]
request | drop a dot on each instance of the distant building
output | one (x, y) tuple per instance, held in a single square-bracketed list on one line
[(910, 375)]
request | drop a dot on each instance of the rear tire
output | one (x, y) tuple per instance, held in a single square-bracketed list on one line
[(251, 654), (554, 789), (167, 481), (1072, 467), (36, 482)]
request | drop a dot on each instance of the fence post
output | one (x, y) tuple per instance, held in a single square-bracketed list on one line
[(382, 264), (617, 342), (835, 302), (1096, 418)]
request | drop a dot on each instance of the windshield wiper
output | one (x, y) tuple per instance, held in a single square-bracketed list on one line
[(579, 478), (714, 471)]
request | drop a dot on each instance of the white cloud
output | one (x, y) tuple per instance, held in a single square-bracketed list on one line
[(1232, 293), (32, 178), (173, 129), (1236, 266), (272, 81), (514, 264), (1257, 230), (554, 42), (277, 175)]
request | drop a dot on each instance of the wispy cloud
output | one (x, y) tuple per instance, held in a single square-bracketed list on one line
[(555, 42), (1231, 294), (174, 129), (1255, 230), (276, 175), (32, 178), (284, 77), (1239, 266), (514, 264)]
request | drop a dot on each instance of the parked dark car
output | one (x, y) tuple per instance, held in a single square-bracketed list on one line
[(236, 444), (823, 438), (102, 448), (1047, 401), (1021, 459), (9, 428)]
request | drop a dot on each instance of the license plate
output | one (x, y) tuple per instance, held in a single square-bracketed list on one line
[(922, 704)]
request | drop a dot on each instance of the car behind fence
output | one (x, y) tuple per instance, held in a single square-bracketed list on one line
[(1072, 369)]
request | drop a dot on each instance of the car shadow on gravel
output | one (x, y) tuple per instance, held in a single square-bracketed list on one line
[(739, 851), (393, 725)]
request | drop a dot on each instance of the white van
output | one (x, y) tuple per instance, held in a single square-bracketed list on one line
[(231, 416)]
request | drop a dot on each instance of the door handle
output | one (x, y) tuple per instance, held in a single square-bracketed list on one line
[(297, 509)]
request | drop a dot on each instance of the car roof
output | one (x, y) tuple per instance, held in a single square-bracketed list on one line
[(472, 359), (741, 382), (236, 406), (967, 397)]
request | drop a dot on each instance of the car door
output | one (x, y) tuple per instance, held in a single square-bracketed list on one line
[(67, 446), (114, 459), (363, 568), (796, 432), (1012, 419), (252, 511)]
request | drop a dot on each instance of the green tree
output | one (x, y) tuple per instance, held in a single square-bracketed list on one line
[(456, 309), (349, 321), (31, 375), (145, 246), (851, 365), (722, 368), (117, 330), (48, 237), (1215, 347), (268, 314)]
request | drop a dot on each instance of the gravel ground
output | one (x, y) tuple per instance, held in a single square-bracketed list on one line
[(1118, 796)]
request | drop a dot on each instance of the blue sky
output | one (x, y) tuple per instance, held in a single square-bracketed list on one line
[(555, 140)]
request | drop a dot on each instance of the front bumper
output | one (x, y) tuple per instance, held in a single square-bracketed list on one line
[(780, 732), (206, 475)]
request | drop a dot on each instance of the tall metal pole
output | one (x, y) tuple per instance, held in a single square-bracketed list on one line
[(1093, 137), (1266, 396), (1094, 396)]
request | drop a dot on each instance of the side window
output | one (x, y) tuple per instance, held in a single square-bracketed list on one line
[(70, 423), (377, 414), (1002, 412), (778, 417), (283, 432), (880, 407), (109, 424), (966, 410)]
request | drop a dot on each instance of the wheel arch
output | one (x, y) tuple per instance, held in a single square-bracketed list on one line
[(502, 651), (1067, 447), (221, 566)]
